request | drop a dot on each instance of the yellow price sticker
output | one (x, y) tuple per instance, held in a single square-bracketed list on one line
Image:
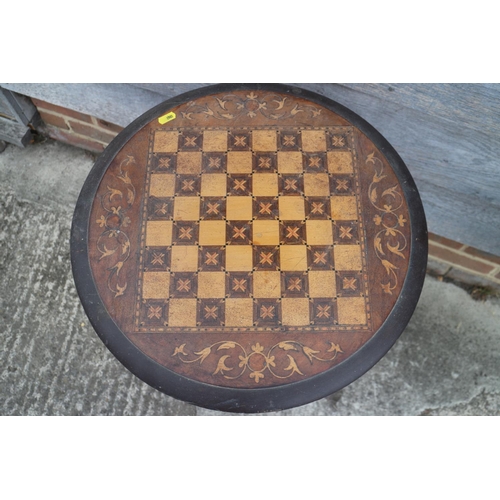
[(167, 118)]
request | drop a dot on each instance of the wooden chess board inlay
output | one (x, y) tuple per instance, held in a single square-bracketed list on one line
[(254, 228), (248, 238)]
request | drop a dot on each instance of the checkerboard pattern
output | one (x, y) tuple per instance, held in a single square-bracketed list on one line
[(252, 229)]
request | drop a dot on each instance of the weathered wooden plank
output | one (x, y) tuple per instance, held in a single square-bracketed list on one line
[(5, 110), (476, 106), (463, 218), (168, 90)]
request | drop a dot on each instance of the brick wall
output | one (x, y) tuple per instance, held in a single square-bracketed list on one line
[(452, 260), (447, 258), (78, 129)]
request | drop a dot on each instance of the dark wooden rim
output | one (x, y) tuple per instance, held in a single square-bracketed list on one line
[(269, 398)]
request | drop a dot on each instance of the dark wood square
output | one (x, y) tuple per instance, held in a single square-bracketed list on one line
[(337, 140), (342, 185), (214, 163), (345, 232), (239, 185), (210, 312), (265, 208), (320, 258), (190, 140), (239, 233), (292, 232), (211, 258), (266, 258), (314, 162), (267, 312), (164, 162), (157, 259), (290, 185), (153, 313), (264, 162), (187, 185), (160, 208), (289, 140), (317, 208), (323, 312), (294, 284), (185, 233), (240, 140), (349, 283), (239, 285), (213, 208), (183, 285)]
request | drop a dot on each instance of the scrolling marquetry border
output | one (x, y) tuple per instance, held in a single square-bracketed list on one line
[(113, 243), (257, 361), (232, 106), (389, 242)]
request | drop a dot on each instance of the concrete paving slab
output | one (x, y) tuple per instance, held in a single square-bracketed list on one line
[(52, 363)]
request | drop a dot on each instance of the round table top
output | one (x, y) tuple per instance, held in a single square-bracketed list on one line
[(249, 248)]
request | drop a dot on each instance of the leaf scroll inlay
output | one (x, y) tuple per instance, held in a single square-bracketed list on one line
[(114, 241), (389, 241), (245, 360)]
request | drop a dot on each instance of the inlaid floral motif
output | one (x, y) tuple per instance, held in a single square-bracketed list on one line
[(259, 361), (390, 243), (113, 244), (231, 106)]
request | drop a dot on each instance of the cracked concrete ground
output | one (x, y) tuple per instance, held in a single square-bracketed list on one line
[(447, 362)]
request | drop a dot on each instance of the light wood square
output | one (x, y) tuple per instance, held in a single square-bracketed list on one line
[(215, 140), (347, 257), (166, 141), (213, 184), (187, 208), (295, 312), (182, 312), (212, 232), (313, 140), (239, 208), (211, 285), (266, 284), (158, 233), (293, 258), (266, 232), (184, 258), (162, 185), (265, 184), (351, 310), (321, 284), (239, 258), (344, 207), (319, 232), (316, 185), (189, 163), (340, 162), (239, 162), (290, 162), (155, 285), (264, 140), (291, 208), (239, 312)]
